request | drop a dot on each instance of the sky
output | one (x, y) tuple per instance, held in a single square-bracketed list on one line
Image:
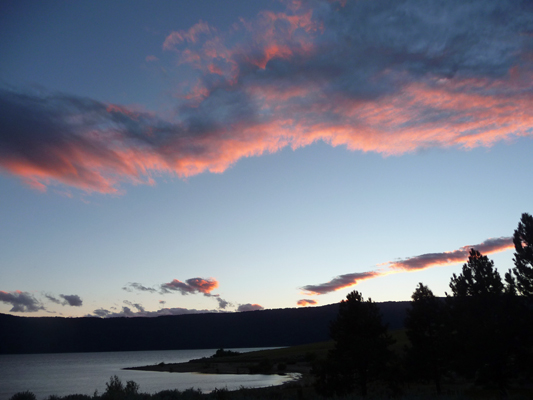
[(162, 158)]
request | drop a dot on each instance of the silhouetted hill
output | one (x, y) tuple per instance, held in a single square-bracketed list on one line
[(280, 327)]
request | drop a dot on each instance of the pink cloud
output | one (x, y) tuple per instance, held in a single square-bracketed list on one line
[(340, 282), (306, 302), (192, 35), (489, 246), (423, 261), (193, 285), (21, 301), (249, 307), (127, 312), (289, 79), (203, 285)]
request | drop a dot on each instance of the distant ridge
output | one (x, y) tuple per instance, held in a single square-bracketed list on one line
[(265, 328)]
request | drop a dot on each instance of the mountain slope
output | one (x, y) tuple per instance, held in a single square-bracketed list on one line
[(279, 327)]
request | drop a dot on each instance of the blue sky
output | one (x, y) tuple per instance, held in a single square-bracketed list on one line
[(163, 158)]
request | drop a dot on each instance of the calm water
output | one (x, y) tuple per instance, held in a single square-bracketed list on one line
[(62, 374)]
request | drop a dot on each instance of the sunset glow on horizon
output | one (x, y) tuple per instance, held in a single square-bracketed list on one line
[(221, 157)]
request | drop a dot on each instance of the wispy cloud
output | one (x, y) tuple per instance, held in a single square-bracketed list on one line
[(193, 285), (21, 301), (101, 312), (137, 286), (129, 313), (423, 261), (52, 298), (249, 307), (190, 286), (72, 300), (340, 282), (137, 306), (306, 302), (222, 304), (191, 36), (381, 76), (493, 245)]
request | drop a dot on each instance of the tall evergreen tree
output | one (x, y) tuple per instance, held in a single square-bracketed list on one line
[(522, 312), (426, 331), (483, 341), (361, 348), (523, 256), (479, 279)]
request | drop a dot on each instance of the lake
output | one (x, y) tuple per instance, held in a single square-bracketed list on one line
[(69, 373)]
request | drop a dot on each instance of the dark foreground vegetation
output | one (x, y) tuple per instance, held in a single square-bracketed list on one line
[(477, 343), (481, 334)]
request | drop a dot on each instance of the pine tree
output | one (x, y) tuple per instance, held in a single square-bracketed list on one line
[(523, 256), (361, 348), (479, 278), (426, 331), (483, 344), (522, 312)]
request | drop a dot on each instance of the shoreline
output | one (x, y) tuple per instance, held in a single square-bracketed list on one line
[(237, 367), (293, 364), (281, 361)]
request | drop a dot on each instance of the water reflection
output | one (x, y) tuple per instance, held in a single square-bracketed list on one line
[(63, 374)]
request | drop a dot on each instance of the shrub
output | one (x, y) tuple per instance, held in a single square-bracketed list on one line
[(115, 389), (225, 353), (27, 395)]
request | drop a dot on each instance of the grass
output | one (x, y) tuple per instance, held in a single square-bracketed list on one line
[(317, 350), (309, 352)]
